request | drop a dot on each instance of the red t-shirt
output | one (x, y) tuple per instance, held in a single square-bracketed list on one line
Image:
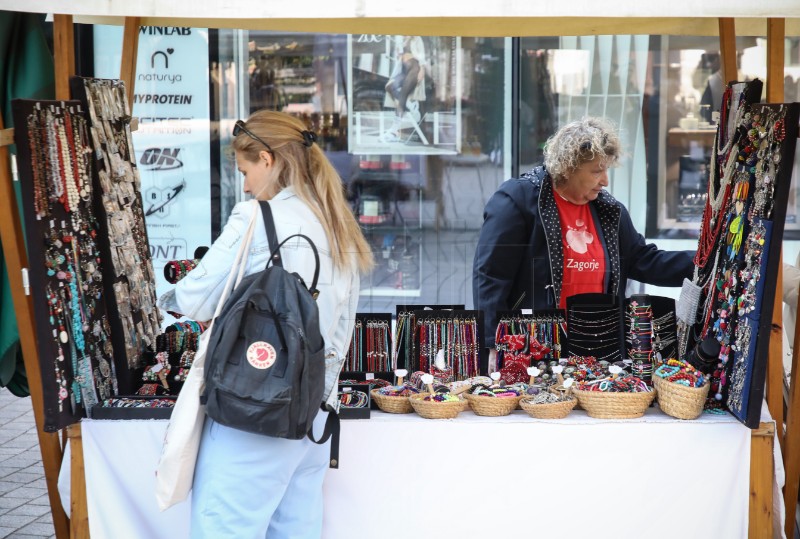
[(584, 258)]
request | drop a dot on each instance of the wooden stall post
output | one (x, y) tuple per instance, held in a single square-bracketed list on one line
[(130, 49), (727, 49), (16, 258), (762, 474), (79, 510), (790, 437), (64, 52), (775, 376), (790, 465)]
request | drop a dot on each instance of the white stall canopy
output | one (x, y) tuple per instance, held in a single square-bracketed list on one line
[(426, 17)]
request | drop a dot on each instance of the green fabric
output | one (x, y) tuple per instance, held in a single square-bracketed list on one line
[(26, 71)]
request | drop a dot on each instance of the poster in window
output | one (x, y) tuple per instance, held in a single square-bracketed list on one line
[(404, 95)]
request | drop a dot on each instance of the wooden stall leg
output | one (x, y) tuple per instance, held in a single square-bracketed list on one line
[(16, 259), (792, 439), (762, 473), (775, 373), (79, 511)]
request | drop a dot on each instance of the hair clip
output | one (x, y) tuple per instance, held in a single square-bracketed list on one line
[(309, 138)]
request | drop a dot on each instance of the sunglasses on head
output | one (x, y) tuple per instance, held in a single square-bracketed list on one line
[(239, 128)]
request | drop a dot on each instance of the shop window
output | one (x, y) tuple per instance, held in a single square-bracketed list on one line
[(417, 176)]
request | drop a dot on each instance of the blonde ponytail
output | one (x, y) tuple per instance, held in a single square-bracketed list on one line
[(305, 168)]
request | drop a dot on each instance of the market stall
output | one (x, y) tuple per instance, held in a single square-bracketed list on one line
[(755, 445), (462, 483)]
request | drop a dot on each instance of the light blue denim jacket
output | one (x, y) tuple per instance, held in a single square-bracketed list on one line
[(197, 295)]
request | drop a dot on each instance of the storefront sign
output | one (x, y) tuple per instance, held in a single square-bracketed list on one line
[(171, 101), (172, 142)]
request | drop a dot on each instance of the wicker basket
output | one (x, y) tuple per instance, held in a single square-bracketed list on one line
[(492, 406), (434, 409), (392, 404), (680, 401), (550, 410), (603, 405)]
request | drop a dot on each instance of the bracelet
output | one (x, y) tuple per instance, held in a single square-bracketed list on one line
[(353, 399)]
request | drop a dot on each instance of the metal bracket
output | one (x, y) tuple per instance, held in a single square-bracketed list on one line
[(26, 282)]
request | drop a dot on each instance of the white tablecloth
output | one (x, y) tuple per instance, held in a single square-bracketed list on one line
[(403, 476)]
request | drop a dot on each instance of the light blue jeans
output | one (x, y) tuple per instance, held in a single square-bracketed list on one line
[(250, 486)]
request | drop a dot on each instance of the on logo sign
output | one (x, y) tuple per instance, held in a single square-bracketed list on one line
[(161, 158)]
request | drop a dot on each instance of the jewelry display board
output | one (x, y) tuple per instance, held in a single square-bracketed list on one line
[(546, 333), (447, 343), (371, 346), (651, 333), (595, 327), (405, 329), (66, 265), (129, 278), (739, 250)]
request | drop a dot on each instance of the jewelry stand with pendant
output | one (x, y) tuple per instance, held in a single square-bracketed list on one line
[(650, 333), (594, 325)]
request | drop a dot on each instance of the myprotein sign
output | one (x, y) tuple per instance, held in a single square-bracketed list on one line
[(171, 100)]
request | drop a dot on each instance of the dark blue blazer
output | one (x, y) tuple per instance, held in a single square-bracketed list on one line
[(519, 259)]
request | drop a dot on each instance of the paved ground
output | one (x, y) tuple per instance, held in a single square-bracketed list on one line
[(24, 505)]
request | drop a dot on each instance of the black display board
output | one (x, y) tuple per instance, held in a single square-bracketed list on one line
[(739, 251), (365, 354), (402, 339), (456, 344), (556, 342), (595, 327), (663, 337), (755, 365), (65, 264)]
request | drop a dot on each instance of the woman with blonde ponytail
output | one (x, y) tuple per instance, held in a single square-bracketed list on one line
[(247, 485)]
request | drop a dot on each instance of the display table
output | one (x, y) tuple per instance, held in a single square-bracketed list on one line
[(403, 476)]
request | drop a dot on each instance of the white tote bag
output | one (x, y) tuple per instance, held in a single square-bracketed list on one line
[(175, 470)]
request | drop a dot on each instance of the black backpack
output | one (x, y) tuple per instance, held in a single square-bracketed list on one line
[(265, 364)]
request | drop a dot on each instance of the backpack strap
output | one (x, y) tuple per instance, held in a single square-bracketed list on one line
[(275, 255), (272, 234), (332, 429)]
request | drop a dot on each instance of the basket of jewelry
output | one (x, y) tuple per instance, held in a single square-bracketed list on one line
[(615, 397), (554, 403), (682, 389), (394, 399), (493, 400), (433, 405)]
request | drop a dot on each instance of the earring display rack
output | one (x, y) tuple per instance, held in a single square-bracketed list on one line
[(129, 277)]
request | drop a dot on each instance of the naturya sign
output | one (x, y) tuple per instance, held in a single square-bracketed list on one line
[(172, 144)]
